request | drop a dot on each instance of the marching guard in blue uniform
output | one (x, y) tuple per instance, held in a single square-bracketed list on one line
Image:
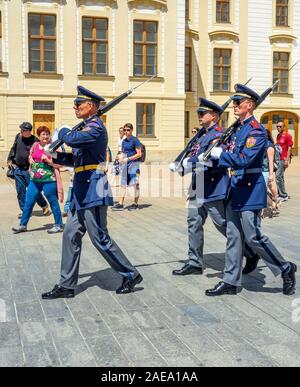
[(247, 196), (207, 191), (91, 198)]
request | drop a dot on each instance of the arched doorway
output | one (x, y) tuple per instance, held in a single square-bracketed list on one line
[(291, 121)]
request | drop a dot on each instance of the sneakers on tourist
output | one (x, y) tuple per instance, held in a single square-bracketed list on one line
[(19, 229), (55, 229), (283, 199), (118, 207), (133, 207), (46, 211)]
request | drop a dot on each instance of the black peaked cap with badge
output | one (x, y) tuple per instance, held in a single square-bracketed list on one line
[(206, 105), (84, 94), (242, 91)]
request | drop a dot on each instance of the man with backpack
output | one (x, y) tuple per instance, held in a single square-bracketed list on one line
[(285, 141), (130, 158)]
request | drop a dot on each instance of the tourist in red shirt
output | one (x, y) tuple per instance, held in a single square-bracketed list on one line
[(284, 139)]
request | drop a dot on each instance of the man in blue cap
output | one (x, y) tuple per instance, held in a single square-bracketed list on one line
[(90, 199), (247, 197), (208, 189)]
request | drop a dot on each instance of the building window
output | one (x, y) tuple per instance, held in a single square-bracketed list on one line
[(94, 45), (281, 71), (145, 119), (42, 43), (187, 124), (43, 105), (223, 11), (0, 41), (222, 69), (145, 48), (187, 9), (188, 69), (282, 13)]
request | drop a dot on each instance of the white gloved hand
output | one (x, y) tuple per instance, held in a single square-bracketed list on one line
[(47, 151), (207, 163), (201, 157), (216, 152), (175, 167)]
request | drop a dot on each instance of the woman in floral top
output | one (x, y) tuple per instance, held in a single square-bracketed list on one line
[(43, 177)]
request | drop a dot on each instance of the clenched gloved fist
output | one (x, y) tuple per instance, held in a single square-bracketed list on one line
[(49, 153), (207, 163), (175, 167), (216, 153)]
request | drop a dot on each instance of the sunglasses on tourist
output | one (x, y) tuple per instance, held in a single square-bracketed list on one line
[(127, 130), (279, 127)]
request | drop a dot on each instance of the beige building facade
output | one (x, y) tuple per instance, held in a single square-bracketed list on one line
[(195, 47), (230, 41)]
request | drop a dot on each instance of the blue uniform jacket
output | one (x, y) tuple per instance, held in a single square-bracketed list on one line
[(244, 156), (213, 184), (90, 188)]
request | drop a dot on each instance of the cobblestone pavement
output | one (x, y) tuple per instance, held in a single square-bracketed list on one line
[(168, 321)]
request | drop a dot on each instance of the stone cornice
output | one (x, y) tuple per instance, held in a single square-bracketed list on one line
[(230, 35), (279, 37)]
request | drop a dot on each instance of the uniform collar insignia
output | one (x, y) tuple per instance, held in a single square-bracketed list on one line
[(243, 123)]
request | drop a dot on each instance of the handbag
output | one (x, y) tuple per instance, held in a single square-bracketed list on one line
[(10, 172)]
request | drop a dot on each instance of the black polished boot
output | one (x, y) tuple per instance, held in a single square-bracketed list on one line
[(251, 264), (289, 280), (222, 288), (188, 269), (58, 292), (128, 285)]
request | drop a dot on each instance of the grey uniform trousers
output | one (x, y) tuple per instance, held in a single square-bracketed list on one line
[(197, 216), (196, 219), (94, 221), (245, 226)]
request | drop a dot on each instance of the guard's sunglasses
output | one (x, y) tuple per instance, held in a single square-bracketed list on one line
[(77, 104), (238, 102), (201, 114)]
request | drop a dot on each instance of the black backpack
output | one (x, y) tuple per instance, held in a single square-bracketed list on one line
[(143, 156)]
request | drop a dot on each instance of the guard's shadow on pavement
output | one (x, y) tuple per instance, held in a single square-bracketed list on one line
[(253, 283), (106, 279)]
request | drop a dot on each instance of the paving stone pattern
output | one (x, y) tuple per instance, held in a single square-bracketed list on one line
[(168, 321)]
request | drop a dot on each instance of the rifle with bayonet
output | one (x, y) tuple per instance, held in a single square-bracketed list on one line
[(227, 134), (232, 128), (177, 164), (102, 110)]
